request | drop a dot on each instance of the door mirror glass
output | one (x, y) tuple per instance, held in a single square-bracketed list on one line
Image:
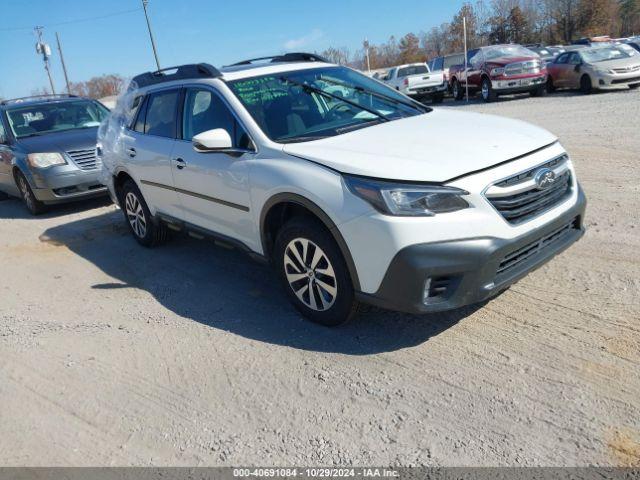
[(214, 140)]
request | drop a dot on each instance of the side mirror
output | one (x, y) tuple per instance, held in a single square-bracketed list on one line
[(216, 140)]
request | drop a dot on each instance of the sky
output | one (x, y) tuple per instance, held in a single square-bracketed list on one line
[(190, 31)]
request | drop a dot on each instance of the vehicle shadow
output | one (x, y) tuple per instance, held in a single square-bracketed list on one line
[(227, 290), (13, 208)]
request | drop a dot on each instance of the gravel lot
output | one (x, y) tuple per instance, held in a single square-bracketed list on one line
[(111, 354)]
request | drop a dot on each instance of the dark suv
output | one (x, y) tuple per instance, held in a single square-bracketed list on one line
[(48, 149)]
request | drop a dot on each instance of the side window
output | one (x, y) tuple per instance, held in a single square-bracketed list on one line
[(562, 59), (161, 114), (204, 110), (138, 124), (3, 133), (438, 64), (574, 59), (474, 58)]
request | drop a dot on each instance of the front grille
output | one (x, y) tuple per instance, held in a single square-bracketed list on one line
[(85, 159), (516, 258), (521, 68), (524, 206), (635, 68), (626, 80)]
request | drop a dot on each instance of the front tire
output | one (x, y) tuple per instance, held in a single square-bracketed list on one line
[(314, 273), (142, 225), (35, 206), (539, 92), (585, 85), (488, 93)]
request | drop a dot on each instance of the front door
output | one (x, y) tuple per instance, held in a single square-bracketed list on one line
[(213, 187)]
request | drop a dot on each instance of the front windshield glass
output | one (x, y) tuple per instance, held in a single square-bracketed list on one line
[(316, 103), (500, 51), (602, 54), (43, 118)]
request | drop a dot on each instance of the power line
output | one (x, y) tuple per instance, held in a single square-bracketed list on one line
[(70, 22)]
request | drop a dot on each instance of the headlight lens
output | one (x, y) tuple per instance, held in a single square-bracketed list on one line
[(497, 71), (407, 200), (45, 160)]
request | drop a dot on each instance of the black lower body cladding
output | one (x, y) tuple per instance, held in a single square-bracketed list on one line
[(469, 271)]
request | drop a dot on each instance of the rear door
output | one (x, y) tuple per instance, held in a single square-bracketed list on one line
[(149, 145), (213, 187)]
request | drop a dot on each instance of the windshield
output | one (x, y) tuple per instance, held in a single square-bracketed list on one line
[(44, 118), (602, 54), (322, 102), (412, 70), (507, 51)]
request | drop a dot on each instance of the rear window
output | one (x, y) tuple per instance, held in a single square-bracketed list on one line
[(412, 70)]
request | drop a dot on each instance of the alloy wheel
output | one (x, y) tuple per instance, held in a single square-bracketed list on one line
[(26, 193), (135, 215), (310, 274)]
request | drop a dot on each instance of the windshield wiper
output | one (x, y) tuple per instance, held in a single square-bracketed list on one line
[(309, 88), (412, 104)]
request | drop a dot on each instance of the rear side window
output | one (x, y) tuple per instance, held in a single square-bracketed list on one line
[(138, 125), (452, 60), (161, 114)]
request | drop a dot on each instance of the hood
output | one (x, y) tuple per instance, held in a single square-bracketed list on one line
[(78, 139), (618, 63), (503, 61), (433, 147)]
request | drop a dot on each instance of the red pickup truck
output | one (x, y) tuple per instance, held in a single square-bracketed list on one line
[(499, 70)]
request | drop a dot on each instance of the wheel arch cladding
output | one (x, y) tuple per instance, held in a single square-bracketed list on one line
[(283, 206)]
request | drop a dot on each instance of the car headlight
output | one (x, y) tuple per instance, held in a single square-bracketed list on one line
[(45, 160), (408, 200), (497, 71)]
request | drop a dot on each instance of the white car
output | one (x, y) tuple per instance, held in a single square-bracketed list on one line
[(365, 197), (417, 81)]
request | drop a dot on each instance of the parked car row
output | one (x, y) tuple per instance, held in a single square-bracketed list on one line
[(507, 69), (336, 180)]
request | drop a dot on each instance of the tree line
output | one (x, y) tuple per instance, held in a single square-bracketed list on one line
[(501, 21), (96, 87)]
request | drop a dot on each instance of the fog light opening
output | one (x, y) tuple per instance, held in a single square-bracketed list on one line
[(436, 289)]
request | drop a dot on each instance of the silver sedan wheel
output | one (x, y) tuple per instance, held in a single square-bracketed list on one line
[(24, 189), (310, 274), (135, 214)]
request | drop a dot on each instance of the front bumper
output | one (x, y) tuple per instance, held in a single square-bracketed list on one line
[(58, 187), (604, 81), (516, 85), (471, 270)]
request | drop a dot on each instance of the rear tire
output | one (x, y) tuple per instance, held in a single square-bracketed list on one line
[(585, 85), (456, 90), (488, 93), (146, 230), (313, 272), (35, 206)]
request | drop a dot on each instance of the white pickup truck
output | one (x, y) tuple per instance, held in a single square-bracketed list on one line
[(417, 81)]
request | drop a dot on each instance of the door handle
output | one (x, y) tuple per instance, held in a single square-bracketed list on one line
[(132, 152), (180, 163)]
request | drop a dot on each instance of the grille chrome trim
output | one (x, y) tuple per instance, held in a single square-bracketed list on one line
[(518, 199), (85, 159), (515, 258)]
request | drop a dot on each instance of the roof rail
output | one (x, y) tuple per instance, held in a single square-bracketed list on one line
[(287, 57), (45, 97), (196, 70)]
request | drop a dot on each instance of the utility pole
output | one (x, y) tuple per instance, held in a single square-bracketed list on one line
[(44, 49), (64, 67), (366, 49), (153, 43)]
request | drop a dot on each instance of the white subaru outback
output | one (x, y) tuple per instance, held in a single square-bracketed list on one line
[(353, 191)]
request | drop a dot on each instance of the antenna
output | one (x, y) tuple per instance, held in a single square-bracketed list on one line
[(44, 50)]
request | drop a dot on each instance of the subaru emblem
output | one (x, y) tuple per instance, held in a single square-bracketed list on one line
[(544, 178)]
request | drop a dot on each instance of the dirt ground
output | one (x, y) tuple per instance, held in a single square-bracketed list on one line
[(189, 354)]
